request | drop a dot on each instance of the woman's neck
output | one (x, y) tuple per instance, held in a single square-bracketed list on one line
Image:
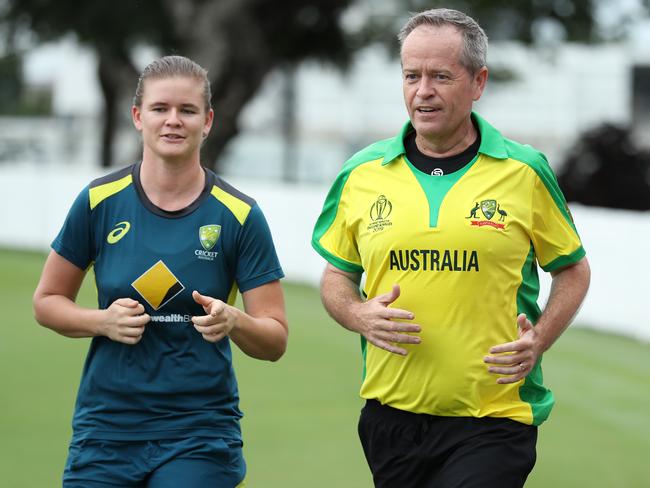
[(171, 186)]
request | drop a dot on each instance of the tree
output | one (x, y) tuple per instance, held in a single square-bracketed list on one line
[(111, 28), (238, 41), (241, 41), (572, 20), (606, 168)]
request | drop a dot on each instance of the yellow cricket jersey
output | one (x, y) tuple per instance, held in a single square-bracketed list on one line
[(464, 248)]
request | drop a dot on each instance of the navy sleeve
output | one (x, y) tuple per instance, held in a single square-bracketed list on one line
[(74, 241), (257, 261)]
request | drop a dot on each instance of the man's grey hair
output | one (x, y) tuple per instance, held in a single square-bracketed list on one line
[(475, 41)]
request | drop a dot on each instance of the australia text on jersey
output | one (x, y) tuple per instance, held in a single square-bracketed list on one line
[(433, 260)]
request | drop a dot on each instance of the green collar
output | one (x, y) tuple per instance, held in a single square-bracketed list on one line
[(492, 143)]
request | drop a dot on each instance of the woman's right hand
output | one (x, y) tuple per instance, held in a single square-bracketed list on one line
[(124, 321)]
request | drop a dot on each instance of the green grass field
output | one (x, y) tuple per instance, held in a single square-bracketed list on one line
[(301, 412)]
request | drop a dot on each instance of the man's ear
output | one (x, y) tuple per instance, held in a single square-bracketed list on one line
[(480, 80)]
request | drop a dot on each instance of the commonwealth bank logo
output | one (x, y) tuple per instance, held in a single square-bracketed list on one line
[(158, 285)]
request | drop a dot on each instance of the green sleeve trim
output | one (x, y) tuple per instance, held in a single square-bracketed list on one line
[(533, 390), (538, 163), (331, 205), (332, 201), (364, 351), (335, 260), (528, 291), (563, 261)]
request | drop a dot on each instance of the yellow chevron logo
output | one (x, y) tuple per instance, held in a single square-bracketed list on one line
[(158, 285)]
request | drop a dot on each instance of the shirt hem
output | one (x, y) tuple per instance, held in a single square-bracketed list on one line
[(336, 261), (107, 435), (273, 275)]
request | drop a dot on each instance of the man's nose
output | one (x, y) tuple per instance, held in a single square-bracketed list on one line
[(426, 88)]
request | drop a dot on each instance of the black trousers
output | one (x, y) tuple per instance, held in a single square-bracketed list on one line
[(405, 449)]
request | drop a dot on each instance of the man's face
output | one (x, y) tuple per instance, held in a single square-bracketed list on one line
[(438, 90)]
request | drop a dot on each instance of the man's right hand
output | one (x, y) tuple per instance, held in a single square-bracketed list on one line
[(124, 321), (381, 325)]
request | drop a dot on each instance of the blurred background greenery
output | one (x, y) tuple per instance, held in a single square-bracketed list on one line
[(244, 44)]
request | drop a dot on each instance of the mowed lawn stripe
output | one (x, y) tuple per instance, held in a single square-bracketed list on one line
[(301, 412)]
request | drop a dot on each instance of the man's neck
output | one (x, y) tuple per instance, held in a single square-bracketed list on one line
[(446, 146)]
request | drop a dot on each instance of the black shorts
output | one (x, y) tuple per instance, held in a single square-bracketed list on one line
[(405, 449)]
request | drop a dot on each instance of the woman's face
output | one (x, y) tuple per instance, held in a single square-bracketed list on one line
[(172, 118)]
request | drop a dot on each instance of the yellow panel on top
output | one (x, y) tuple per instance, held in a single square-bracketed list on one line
[(239, 208), (102, 192)]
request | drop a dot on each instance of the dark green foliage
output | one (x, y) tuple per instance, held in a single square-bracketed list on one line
[(11, 83), (605, 168), (15, 98), (119, 23), (241, 41), (501, 19)]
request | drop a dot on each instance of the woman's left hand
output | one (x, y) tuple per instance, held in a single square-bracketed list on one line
[(219, 320)]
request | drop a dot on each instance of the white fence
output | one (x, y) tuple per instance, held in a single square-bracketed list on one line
[(34, 202)]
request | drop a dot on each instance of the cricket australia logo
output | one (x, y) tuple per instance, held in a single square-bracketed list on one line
[(489, 208), (380, 210), (208, 236)]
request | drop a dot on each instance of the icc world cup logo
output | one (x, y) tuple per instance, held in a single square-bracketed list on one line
[(381, 209)]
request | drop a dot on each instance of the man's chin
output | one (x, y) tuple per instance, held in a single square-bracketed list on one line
[(428, 129)]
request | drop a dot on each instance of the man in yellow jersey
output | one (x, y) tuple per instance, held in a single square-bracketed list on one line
[(449, 220)]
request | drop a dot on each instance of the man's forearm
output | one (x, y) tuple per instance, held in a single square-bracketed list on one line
[(568, 291), (375, 319), (340, 294)]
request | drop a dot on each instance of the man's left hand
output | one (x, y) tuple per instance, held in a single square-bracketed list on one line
[(514, 360)]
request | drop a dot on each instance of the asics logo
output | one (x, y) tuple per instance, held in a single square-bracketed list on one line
[(120, 231)]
